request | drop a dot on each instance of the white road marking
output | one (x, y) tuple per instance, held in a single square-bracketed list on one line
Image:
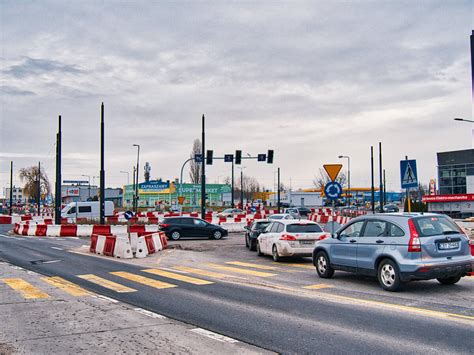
[(16, 267), (108, 299), (51, 261), (149, 314), (215, 336), (57, 248)]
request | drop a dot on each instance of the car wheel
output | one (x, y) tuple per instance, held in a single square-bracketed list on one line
[(259, 252), (275, 255), (175, 235), (247, 242), (323, 267), (449, 280), (388, 275), (253, 246), (217, 235)]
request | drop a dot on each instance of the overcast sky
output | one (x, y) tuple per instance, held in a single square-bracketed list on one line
[(311, 80)]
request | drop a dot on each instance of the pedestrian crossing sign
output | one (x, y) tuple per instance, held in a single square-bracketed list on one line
[(408, 175)]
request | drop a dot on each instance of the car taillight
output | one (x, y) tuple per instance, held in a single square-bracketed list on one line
[(287, 237), (324, 236), (414, 245), (164, 225)]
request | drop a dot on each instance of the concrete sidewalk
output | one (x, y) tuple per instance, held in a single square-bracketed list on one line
[(45, 319)]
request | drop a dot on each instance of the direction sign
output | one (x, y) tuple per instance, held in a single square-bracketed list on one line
[(198, 158), (332, 170), (261, 157), (228, 158), (408, 175), (333, 190), (128, 215)]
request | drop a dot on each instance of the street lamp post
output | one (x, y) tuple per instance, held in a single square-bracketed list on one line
[(136, 185), (463, 120), (348, 177), (242, 186)]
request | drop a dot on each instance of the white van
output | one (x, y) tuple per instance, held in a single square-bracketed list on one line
[(89, 210)]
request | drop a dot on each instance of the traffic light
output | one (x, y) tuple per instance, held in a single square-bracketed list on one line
[(238, 157), (270, 157), (209, 157)]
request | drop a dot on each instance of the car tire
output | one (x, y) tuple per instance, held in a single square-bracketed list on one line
[(449, 280), (217, 235), (323, 266), (259, 252), (388, 275), (253, 245), (276, 257), (175, 235), (247, 242)]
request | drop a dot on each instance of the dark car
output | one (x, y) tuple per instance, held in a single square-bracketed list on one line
[(390, 208), (177, 227), (252, 232)]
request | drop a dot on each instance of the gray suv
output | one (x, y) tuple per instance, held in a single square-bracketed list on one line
[(397, 248)]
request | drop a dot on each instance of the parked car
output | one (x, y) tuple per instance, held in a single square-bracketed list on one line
[(289, 238), (284, 216), (390, 207), (87, 210), (253, 231), (230, 212), (177, 227), (301, 211), (397, 248)]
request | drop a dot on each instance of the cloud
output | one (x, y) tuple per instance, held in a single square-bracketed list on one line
[(35, 67), (9, 90)]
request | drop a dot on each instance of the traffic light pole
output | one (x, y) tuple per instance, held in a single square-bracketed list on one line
[(241, 189), (38, 193), (278, 191), (102, 166), (372, 178), (57, 192), (380, 178), (203, 171), (11, 187), (232, 193)]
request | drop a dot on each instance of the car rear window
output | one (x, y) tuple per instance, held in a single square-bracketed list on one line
[(260, 225), (303, 228), (171, 220), (429, 226)]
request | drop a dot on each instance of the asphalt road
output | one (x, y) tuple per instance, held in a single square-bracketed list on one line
[(279, 321)]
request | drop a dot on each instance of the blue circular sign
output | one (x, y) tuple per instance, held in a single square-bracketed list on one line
[(333, 190), (128, 215)]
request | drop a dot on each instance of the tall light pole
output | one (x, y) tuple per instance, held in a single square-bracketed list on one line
[(136, 179), (348, 177), (242, 186), (128, 176), (89, 177)]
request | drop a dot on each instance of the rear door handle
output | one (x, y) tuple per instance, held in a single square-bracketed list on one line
[(353, 240), (379, 241)]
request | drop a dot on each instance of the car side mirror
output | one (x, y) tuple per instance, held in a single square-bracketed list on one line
[(334, 236)]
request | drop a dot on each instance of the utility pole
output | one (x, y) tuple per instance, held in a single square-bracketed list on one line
[(278, 191), (133, 196), (38, 195), (241, 189), (232, 193), (384, 189), (11, 187), (102, 167), (137, 171), (380, 178), (372, 178), (203, 171), (57, 192), (408, 193)]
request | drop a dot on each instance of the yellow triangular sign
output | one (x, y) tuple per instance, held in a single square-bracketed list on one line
[(332, 170)]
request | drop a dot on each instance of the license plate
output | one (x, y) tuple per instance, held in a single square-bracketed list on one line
[(449, 245), (306, 242)]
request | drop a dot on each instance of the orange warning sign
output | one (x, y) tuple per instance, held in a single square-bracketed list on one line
[(332, 170)]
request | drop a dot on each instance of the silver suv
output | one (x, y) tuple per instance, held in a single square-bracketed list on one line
[(397, 247)]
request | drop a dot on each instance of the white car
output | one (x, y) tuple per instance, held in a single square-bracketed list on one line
[(289, 237), (283, 216), (230, 212)]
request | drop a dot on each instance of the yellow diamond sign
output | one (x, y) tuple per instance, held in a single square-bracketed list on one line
[(332, 170)]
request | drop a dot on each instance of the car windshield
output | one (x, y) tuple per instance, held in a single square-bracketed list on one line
[(439, 225), (276, 217), (260, 225), (303, 228), (229, 210)]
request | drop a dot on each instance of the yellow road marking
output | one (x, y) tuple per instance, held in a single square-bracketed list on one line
[(27, 290), (256, 266), (179, 277), (317, 287), (143, 280), (199, 272), (303, 266), (66, 286), (240, 271), (106, 283)]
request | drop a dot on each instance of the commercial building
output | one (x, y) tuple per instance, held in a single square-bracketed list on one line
[(17, 194), (455, 184), (160, 192), (81, 193)]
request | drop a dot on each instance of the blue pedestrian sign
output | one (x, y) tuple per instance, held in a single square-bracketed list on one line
[(198, 158), (333, 190), (408, 175), (228, 158), (128, 215)]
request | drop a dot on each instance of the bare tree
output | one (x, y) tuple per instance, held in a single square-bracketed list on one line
[(249, 184), (195, 168), (30, 177), (321, 180)]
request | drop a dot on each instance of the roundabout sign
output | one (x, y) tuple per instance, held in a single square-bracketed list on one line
[(333, 190)]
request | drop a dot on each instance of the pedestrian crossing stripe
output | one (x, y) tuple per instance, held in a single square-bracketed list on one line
[(200, 272), (302, 266), (179, 277), (240, 271), (66, 286), (27, 290), (256, 266), (143, 280), (107, 283)]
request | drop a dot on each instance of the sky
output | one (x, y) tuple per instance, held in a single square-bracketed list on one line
[(310, 80)]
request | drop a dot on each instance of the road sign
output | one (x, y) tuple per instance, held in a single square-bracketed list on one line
[(228, 158), (408, 175), (128, 215), (333, 190), (198, 158), (261, 157), (181, 199), (332, 170)]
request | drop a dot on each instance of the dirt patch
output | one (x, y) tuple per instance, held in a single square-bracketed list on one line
[(6, 349)]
